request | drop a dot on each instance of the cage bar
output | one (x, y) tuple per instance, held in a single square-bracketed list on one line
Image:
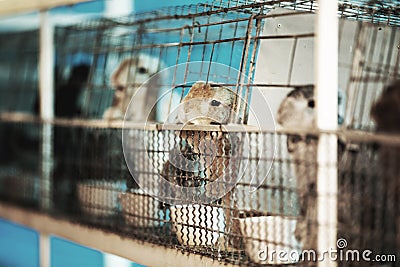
[(46, 89), (327, 108)]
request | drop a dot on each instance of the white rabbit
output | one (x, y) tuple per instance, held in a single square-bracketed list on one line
[(297, 112), (130, 75)]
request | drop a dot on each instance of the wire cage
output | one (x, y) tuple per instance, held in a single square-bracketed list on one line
[(269, 177), (19, 52), (159, 39)]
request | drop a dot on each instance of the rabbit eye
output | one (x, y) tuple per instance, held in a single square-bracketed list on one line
[(119, 88), (215, 103), (142, 70), (295, 138), (311, 104)]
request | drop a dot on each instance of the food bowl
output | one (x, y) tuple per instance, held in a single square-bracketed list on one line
[(99, 198), (270, 239), (198, 225), (141, 210)]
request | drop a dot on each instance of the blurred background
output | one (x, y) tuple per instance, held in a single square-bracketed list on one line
[(19, 246)]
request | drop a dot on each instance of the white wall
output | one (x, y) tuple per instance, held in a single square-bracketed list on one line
[(275, 56)]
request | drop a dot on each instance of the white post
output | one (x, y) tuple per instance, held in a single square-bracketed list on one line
[(327, 39), (46, 67), (46, 92), (111, 260), (44, 246), (114, 8)]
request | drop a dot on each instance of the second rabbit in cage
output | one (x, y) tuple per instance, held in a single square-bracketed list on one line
[(297, 111), (386, 114)]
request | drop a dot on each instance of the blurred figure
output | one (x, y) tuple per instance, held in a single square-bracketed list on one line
[(128, 78), (386, 110), (386, 114), (67, 95), (297, 111), (67, 140)]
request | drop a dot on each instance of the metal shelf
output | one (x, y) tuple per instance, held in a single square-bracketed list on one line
[(140, 252)]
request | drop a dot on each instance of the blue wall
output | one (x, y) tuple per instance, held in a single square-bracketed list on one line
[(65, 254), (19, 246)]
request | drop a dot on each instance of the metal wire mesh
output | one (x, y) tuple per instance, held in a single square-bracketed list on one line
[(172, 36), (19, 74), (91, 185), (20, 173)]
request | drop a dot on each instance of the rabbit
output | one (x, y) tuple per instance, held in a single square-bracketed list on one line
[(385, 112), (204, 104), (130, 75), (207, 104), (297, 109), (213, 153), (297, 112)]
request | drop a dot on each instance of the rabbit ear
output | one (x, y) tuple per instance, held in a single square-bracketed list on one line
[(199, 90), (117, 78)]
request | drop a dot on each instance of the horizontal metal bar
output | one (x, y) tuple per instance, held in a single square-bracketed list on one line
[(343, 134), (285, 36), (188, 85), (187, 26), (183, 44), (218, 10)]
